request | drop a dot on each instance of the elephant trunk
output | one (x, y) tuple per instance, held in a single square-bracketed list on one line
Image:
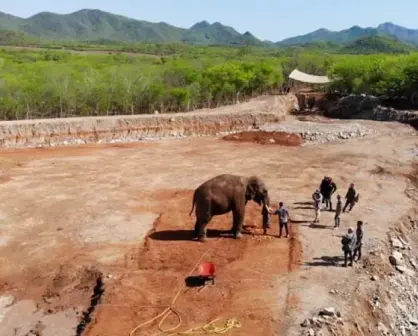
[(266, 201)]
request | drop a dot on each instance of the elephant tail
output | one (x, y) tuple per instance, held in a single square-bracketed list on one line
[(194, 196)]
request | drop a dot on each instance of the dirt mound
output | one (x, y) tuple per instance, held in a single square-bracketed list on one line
[(246, 288), (266, 138)]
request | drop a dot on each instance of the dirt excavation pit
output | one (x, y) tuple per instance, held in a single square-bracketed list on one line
[(103, 229), (100, 241), (266, 138)]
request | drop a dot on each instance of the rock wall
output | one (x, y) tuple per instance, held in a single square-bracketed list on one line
[(54, 132), (368, 107)]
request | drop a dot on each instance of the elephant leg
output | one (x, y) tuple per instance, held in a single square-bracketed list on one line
[(238, 221), (202, 234), (196, 229), (203, 217), (201, 229)]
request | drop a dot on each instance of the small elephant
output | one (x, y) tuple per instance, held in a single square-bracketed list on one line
[(225, 193)]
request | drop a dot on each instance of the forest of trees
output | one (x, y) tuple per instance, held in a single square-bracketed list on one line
[(53, 83)]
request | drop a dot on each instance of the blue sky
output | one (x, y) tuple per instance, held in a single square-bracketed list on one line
[(266, 19)]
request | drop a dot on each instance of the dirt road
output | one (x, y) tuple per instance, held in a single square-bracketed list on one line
[(75, 222)]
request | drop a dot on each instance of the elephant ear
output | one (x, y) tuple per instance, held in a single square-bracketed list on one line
[(251, 189)]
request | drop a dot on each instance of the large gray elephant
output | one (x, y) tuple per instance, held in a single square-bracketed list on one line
[(225, 193)]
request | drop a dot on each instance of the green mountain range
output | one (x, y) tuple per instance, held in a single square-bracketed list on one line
[(388, 29), (96, 25), (92, 25)]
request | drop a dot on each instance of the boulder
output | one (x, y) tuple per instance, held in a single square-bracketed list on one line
[(382, 328), (413, 321), (396, 258), (396, 243), (306, 323), (315, 321), (413, 263), (405, 270), (328, 311), (352, 106)]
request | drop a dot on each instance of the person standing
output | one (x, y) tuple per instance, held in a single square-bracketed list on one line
[(266, 218), (350, 198), (317, 198), (283, 219), (332, 189), (338, 210), (359, 240), (349, 242), (324, 187), (326, 191)]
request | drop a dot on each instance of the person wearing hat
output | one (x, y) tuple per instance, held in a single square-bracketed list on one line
[(350, 198), (338, 210), (349, 243)]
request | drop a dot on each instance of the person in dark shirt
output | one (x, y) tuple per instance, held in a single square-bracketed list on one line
[(324, 187), (350, 198), (328, 189), (359, 240)]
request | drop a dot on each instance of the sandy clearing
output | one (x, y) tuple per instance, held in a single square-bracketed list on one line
[(62, 206)]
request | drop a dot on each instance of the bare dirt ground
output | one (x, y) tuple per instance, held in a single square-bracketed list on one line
[(77, 221), (265, 138)]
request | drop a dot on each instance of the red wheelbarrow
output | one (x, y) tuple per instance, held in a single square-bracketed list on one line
[(206, 273)]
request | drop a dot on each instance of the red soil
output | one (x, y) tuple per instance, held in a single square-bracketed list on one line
[(266, 138), (249, 275)]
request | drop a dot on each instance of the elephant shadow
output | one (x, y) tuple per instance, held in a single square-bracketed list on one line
[(186, 235)]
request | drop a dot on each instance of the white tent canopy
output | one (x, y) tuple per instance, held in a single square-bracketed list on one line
[(306, 78)]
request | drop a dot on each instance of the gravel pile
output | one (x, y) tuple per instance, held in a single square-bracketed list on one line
[(328, 318), (314, 133)]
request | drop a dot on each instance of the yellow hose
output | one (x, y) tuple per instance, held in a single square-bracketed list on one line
[(207, 328), (210, 328)]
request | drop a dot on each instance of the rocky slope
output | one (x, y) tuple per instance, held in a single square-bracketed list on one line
[(367, 107)]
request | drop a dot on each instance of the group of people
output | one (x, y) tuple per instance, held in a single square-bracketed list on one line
[(351, 242), (324, 195)]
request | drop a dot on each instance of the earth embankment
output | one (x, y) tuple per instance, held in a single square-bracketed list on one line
[(54, 132)]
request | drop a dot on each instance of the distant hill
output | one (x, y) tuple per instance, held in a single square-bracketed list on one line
[(355, 33), (401, 33), (325, 35), (375, 45), (92, 24), (216, 33)]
